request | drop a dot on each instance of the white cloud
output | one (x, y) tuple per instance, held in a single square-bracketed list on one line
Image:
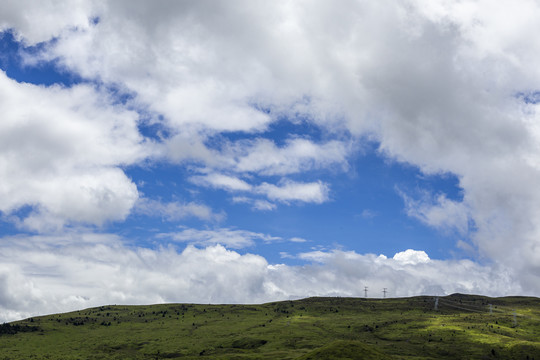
[(40, 23), (256, 204), (316, 256), (412, 257), (41, 275), (263, 205), (285, 255), (262, 156), (169, 44), (173, 211), (438, 212), (235, 239), (220, 181), (61, 152), (288, 190)]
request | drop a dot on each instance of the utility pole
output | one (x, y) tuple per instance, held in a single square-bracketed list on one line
[(384, 293), (365, 291)]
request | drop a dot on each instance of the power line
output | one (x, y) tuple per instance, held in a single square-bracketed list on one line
[(479, 309), (469, 307), (460, 307)]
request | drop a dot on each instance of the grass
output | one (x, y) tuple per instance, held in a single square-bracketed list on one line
[(313, 328)]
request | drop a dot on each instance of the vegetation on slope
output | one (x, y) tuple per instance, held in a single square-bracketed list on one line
[(462, 327)]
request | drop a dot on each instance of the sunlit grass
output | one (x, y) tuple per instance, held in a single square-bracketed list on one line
[(315, 328)]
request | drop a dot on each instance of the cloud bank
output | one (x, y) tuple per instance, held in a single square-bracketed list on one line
[(47, 274)]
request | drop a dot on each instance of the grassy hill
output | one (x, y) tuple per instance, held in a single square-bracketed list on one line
[(462, 327)]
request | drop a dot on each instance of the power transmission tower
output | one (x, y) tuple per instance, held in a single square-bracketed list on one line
[(365, 291), (384, 293), (436, 303)]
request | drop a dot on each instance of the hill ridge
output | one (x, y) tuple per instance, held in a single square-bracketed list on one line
[(454, 326)]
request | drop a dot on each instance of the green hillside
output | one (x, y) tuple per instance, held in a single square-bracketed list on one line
[(462, 327)]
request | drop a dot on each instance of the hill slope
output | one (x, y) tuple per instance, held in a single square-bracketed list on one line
[(463, 326)]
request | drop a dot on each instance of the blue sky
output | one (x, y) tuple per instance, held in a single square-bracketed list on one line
[(245, 152), (364, 212)]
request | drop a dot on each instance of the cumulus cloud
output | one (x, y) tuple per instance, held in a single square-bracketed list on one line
[(41, 23), (61, 152), (412, 257), (169, 43), (44, 274)]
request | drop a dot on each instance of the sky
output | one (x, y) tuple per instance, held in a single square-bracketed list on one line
[(254, 151)]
